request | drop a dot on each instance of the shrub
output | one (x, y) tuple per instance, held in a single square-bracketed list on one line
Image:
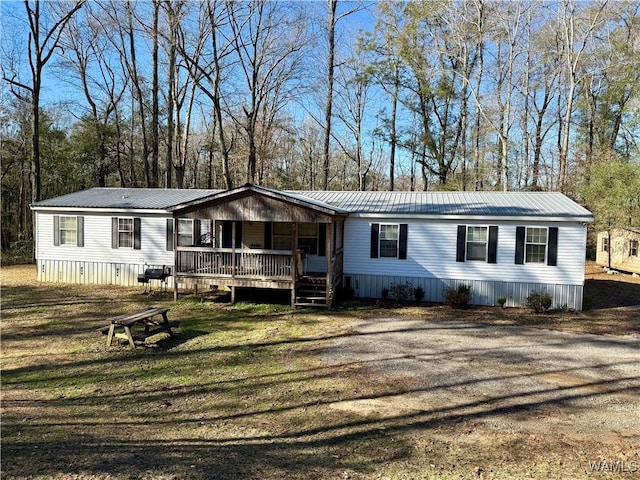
[(385, 293), (418, 293), (457, 297), (539, 302), (502, 301), (401, 292)]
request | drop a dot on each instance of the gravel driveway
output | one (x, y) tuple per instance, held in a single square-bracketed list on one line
[(509, 378)]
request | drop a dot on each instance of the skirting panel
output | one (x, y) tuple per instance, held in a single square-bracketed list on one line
[(483, 292), (95, 273)]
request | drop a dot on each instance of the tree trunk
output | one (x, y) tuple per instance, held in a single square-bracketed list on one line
[(329, 106)]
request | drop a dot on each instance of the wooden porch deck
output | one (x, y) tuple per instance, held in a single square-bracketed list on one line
[(252, 268)]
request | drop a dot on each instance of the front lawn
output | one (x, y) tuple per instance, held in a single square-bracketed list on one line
[(240, 392)]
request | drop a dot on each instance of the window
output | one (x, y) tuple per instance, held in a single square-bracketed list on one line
[(388, 240), (68, 230), (605, 244), (308, 238), (536, 245), (477, 243), (185, 232), (633, 248), (125, 233), (282, 236)]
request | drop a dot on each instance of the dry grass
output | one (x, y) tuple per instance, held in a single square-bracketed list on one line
[(239, 393)]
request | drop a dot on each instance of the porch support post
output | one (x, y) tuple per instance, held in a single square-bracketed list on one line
[(175, 261), (328, 252), (233, 249), (294, 263)]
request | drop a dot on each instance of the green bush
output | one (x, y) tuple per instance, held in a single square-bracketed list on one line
[(401, 292), (418, 293), (539, 302), (457, 297), (502, 301), (385, 293)]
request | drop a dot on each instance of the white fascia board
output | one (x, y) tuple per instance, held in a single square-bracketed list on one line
[(130, 211), (484, 218)]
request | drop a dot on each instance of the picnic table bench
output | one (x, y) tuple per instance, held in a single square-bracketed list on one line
[(120, 326)]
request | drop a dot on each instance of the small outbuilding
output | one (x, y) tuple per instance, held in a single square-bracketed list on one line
[(619, 249), (317, 243)]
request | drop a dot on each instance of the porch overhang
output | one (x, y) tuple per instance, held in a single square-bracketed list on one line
[(255, 203)]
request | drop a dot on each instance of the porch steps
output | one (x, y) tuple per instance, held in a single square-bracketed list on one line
[(311, 292)]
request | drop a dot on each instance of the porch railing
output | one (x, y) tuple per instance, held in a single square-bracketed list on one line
[(228, 262)]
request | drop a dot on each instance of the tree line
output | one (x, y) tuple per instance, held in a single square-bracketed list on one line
[(446, 94)]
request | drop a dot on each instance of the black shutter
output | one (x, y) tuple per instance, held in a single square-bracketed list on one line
[(267, 235), (226, 234), (375, 233), (402, 244), (114, 232), (492, 256), (461, 243), (238, 234), (169, 234), (56, 230), (80, 231), (520, 234), (322, 239), (136, 234), (552, 254), (196, 233)]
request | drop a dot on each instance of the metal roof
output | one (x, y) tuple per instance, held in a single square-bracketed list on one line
[(432, 204), (125, 198), (511, 204)]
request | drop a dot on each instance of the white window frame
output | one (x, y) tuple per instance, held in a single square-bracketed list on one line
[(383, 227), (73, 238), (605, 244), (186, 223), (527, 243), (633, 247), (131, 232), (486, 243)]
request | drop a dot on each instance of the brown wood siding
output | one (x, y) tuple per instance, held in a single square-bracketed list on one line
[(258, 208)]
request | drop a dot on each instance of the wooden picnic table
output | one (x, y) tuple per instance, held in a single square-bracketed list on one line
[(120, 326)]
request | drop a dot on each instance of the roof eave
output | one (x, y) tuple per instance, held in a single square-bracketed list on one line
[(488, 218), (156, 211)]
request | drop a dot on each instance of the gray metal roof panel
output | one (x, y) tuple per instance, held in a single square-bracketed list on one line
[(551, 204), (125, 198), (516, 204)]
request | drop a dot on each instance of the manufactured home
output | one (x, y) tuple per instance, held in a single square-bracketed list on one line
[(314, 243), (622, 246)]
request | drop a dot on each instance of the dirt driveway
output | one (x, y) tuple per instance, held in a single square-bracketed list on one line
[(509, 379)]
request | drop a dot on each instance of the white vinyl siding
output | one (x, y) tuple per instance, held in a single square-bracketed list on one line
[(433, 253), (97, 242)]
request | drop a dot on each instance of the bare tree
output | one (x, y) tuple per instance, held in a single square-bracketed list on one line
[(44, 38), (268, 43)]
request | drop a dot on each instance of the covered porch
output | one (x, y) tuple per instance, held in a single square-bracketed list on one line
[(255, 237)]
